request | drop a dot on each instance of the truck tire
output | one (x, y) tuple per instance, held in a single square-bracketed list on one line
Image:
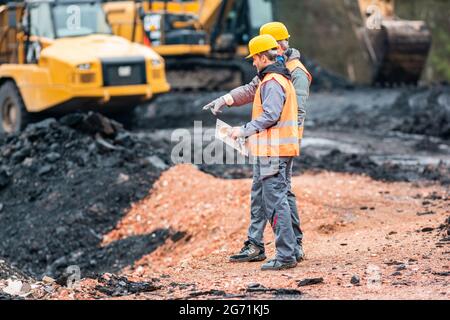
[(13, 114)]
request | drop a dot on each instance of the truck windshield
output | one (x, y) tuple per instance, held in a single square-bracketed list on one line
[(79, 19), (56, 20)]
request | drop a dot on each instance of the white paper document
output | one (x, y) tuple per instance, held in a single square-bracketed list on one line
[(222, 130)]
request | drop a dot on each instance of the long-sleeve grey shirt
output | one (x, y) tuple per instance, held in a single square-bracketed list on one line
[(273, 98), (245, 94)]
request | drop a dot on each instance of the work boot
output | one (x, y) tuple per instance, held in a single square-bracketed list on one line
[(249, 253), (300, 254), (277, 265)]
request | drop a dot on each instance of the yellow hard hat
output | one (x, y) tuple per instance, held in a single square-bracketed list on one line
[(261, 44), (276, 29)]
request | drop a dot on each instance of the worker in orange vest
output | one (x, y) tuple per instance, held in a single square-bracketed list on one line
[(245, 94), (273, 135)]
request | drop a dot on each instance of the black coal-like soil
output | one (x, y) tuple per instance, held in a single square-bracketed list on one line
[(423, 111), (332, 160), (427, 113), (419, 116), (9, 272), (116, 286), (324, 79), (362, 164), (338, 161), (63, 185), (5, 296)]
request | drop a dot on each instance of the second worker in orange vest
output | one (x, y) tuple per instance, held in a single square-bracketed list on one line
[(273, 135)]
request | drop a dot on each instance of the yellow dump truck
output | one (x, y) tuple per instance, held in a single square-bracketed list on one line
[(60, 56)]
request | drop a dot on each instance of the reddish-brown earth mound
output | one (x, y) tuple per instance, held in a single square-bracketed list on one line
[(374, 232)]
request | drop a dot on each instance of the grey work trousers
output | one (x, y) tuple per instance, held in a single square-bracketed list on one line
[(272, 200)]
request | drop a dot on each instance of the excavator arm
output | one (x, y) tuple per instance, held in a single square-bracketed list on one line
[(384, 7)]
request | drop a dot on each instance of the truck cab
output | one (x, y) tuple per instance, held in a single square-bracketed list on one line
[(61, 56)]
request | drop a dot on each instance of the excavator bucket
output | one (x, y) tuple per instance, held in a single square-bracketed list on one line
[(398, 48), (400, 51)]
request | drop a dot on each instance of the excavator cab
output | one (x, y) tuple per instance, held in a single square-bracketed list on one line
[(171, 29), (205, 22), (243, 22)]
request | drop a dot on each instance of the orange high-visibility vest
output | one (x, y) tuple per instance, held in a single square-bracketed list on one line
[(280, 140), (291, 66), (296, 63)]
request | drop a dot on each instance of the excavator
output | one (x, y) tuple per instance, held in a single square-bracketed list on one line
[(203, 41), (59, 56)]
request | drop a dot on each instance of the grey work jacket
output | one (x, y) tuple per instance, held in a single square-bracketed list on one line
[(245, 94)]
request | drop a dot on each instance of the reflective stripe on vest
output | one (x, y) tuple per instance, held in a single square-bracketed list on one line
[(282, 139), (284, 124), (290, 123), (296, 63), (274, 142)]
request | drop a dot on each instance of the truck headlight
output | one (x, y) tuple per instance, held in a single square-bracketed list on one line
[(156, 62), (84, 66)]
